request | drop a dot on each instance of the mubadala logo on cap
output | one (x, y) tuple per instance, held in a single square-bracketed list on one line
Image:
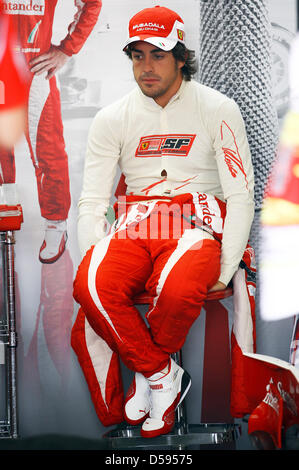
[(148, 25)]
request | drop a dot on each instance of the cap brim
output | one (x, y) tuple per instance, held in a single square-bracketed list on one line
[(160, 42)]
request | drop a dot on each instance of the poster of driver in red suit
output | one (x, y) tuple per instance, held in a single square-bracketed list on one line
[(33, 22)]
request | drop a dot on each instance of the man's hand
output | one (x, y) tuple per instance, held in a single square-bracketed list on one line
[(51, 61), (218, 286)]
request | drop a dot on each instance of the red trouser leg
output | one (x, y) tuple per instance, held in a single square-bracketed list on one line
[(7, 166), (179, 287), (116, 270), (47, 148), (107, 280), (101, 369)]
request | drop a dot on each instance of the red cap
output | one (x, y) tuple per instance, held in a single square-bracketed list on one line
[(158, 26)]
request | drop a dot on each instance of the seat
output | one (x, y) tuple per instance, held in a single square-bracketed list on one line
[(211, 306), (215, 406), (217, 427)]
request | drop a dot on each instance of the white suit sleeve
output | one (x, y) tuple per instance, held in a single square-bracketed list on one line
[(103, 150), (237, 180)]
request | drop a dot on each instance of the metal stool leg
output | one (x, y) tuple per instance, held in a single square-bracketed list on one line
[(7, 240), (181, 413)]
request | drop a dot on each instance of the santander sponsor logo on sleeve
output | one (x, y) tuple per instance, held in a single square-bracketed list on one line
[(24, 7), (208, 210)]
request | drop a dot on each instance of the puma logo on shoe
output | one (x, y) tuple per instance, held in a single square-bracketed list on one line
[(137, 402), (166, 394)]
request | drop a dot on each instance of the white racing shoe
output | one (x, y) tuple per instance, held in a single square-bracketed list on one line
[(54, 242), (137, 403), (167, 391)]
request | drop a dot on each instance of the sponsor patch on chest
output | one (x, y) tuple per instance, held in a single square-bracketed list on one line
[(24, 7), (177, 145)]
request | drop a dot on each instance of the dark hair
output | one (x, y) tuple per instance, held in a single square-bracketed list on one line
[(180, 53)]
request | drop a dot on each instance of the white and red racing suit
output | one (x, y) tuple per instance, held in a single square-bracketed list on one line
[(33, 19), (185, 164)]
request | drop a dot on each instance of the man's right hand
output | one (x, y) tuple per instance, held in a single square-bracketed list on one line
[(51, 61), (218, 286)]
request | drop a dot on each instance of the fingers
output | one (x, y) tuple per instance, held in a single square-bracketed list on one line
[(51, 73), (40, 58), (218, 286), (50, 62), (42, 67), (42, 63)]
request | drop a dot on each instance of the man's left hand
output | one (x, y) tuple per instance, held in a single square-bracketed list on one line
[(218, 286), (51, 61)]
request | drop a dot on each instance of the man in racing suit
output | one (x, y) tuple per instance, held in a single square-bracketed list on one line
[(33, 19), (181, 229)]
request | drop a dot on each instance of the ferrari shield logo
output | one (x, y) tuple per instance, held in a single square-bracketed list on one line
[(145, 145), (180, 34)]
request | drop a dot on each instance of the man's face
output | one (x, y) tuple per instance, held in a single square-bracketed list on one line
[(157, 72)]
